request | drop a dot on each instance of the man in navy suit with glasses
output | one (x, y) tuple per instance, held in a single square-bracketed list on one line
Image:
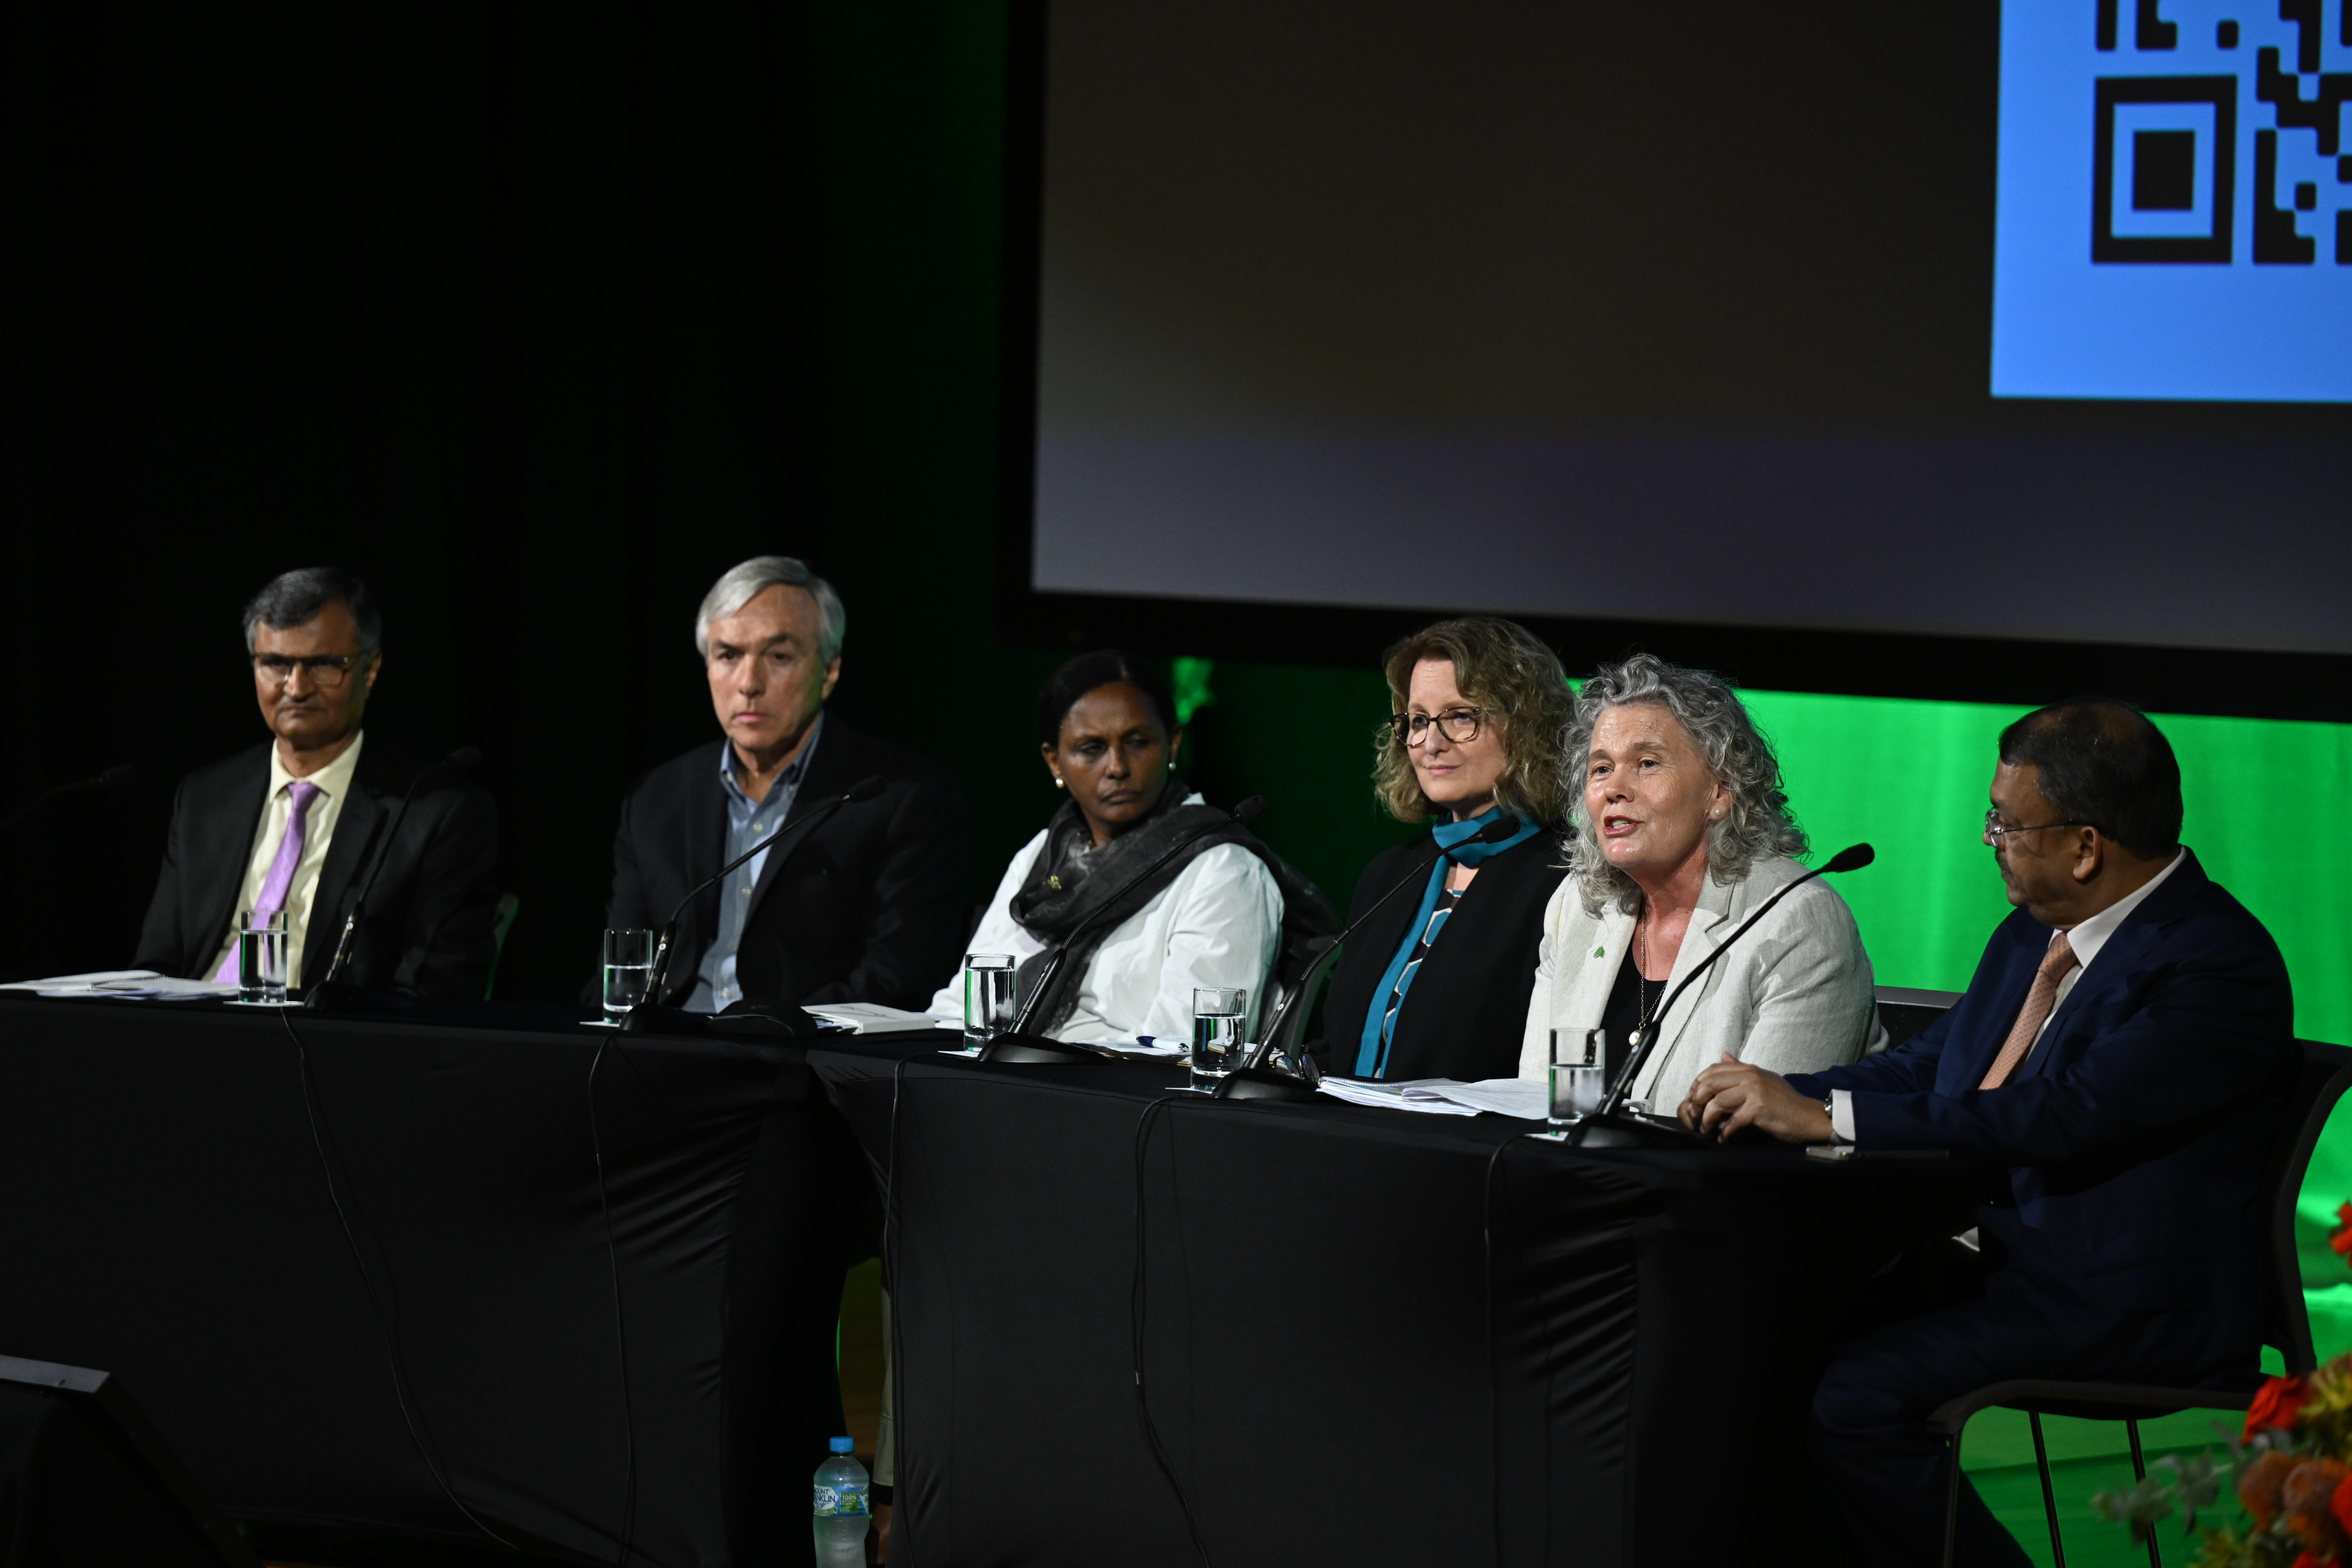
[(2126, 1047)]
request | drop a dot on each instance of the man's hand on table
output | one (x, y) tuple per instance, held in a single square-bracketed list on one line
[(1731, 1095)]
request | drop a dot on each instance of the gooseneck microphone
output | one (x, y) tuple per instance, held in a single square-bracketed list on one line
[(1494, 832), (330, 988), (113, 778), (863, 790), (1246, 813), (1853, 857)]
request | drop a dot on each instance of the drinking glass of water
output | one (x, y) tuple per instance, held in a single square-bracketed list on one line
[(1576, 1074), (261, 956), (628, 969), (988, 989), (1217, 1018)]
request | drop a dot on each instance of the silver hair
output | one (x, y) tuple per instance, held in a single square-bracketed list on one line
[(1759, 824), (290, 598), (741, 585)]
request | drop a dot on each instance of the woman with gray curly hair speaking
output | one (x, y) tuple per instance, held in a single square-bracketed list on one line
[(1685, 832)]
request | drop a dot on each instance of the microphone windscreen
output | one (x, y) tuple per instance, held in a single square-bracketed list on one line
[(463, 758), (1250, 810), (115, 777), (864, 789), (1853, 857), (1494, 832)]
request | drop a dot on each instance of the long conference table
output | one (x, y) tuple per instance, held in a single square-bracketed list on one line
[(319, 1308), (320, 1250), (1142, 1327)]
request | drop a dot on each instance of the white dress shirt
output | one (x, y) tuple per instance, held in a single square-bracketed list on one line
[(1217, 924), (748, 822), (334, 782), (2085, 940)]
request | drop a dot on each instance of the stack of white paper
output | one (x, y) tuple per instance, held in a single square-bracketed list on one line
[(1411, 1094), (1150, 1046), (1445, 1097), (873, 1018), (1503, 1096), (137, 983)]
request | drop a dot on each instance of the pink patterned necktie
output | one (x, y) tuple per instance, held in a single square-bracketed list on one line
[(281, 880), (2039, 999)]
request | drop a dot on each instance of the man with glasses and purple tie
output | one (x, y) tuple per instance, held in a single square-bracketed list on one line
[(2126, 1048), (300, 826)]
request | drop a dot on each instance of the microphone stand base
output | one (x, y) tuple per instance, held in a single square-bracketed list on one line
[(645, 1018), (1010, 1047), (1630, 1130), (768, 1020), (1264, 1083), (342, 996)]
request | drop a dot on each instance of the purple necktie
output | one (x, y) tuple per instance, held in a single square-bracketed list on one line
[(274, 887)]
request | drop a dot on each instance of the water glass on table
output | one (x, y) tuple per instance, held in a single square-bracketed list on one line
[(628, 969), (988, 990), (1218, 1015), (261, 956), (1576, 1074)]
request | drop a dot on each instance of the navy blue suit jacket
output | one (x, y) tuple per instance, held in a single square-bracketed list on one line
[(2137, 1132)]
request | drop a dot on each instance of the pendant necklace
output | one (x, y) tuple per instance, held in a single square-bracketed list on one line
[(1641, 981)]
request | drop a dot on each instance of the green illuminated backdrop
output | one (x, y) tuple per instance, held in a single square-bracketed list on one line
[(901, 111), (1909, 777)]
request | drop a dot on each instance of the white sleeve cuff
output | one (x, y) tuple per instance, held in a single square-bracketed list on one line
[(1842, 1114)]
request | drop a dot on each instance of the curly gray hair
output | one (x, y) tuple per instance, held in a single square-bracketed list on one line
[(1759, 824)]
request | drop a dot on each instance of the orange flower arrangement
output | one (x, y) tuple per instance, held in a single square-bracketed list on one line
[(2291, 1464)]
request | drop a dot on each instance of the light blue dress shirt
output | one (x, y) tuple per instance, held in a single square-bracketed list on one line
[(748, 822)]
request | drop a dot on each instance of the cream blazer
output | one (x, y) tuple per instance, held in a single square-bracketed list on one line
[(1795, 994)]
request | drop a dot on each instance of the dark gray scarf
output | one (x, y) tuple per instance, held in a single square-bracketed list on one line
[(1074, 881)]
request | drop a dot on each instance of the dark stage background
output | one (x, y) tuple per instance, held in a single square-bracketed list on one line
[(539, 317)]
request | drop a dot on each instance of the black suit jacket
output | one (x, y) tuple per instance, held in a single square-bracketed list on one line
[(1467, 1010), (867, 907), (2136, 1132), (427, 929)]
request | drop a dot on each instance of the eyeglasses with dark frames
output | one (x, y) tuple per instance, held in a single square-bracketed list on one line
[(328, 671), (1459, 725)]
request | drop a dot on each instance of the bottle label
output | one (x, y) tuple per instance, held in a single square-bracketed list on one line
[(832, 1502)]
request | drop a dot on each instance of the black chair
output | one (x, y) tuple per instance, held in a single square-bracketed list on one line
[(502, 920), (1904, 1012), (2327, 1074)]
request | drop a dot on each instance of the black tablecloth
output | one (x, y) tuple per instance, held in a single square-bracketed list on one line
[(1341, 1367), (164, 1216)]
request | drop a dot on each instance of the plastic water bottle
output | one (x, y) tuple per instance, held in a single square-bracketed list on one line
[(842, 1510)]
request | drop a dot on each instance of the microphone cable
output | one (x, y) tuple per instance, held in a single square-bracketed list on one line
[(1136, 1313), (620, 1320), (312, 1109), (1494, 1336), (890, 1281)]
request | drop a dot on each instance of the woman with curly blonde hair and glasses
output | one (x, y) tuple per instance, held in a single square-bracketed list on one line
[(1476, 732)]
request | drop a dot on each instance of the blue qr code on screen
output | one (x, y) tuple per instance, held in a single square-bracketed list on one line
[(2175, 214)]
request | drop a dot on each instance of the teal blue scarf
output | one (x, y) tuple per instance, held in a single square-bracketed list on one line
[(1372, 1054)]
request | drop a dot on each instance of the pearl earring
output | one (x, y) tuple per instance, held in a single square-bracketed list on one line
[(1058, 784)]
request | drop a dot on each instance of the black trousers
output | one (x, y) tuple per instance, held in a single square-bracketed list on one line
[(1888, 1472)]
